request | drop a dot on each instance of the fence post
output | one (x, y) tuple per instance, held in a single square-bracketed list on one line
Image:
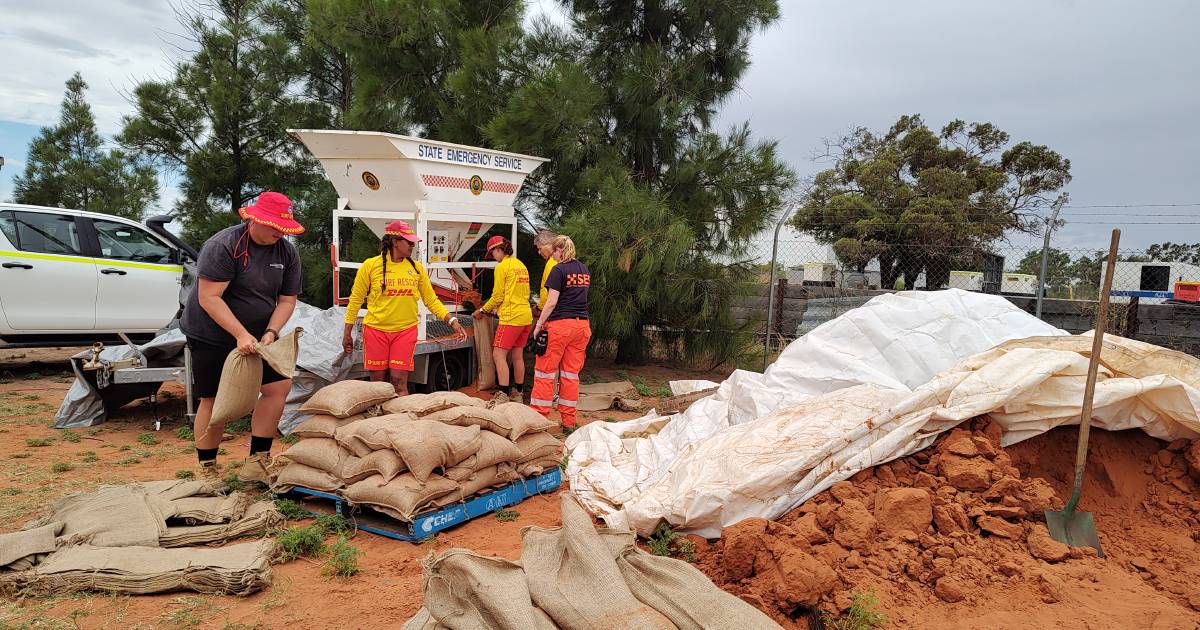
[(771, 297), (1058, 203)]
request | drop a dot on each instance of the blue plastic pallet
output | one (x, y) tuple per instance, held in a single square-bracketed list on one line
[(430, 523)]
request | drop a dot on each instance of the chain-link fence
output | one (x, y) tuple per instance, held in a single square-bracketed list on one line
[(1154, 290)]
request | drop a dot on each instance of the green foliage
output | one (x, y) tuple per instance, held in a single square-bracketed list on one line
[(233, 483), (507, 516), (291, 510), (1175, 252), (19, 455), (61, 467), (185, 474), (89, 457), (125, 447), (37, 442), (148, 439), (71, 436), (918, 201), (334, 524), (300, 542), (185, 433), (343, 560), (128, 461), (860, 616), (241, 425), (9, 492), (665, 542), (67, 166), (289, 439)]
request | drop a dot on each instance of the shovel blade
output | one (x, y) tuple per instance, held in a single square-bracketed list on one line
[(1077, 529)]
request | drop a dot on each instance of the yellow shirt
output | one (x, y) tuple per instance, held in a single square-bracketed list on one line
[(542, 292), (395, 309), (510, 293)]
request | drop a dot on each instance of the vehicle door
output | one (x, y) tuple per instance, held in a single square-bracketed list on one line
[(139, 278), (47, 283)]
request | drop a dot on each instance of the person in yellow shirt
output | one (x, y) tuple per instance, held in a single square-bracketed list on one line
[(510, 300), (390, 284)]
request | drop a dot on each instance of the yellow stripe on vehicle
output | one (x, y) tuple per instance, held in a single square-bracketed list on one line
[(94, 261)]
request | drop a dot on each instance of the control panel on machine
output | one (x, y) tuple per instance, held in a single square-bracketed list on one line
[(439, 246)]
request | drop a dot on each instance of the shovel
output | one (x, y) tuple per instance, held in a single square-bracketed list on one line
[(1078, 529)]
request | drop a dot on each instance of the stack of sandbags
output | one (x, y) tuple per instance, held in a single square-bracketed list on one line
[(425, 450), (19, 551), (318, 461)]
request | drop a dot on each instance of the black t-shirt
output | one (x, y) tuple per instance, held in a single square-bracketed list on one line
[(571, 279), (257, 276)]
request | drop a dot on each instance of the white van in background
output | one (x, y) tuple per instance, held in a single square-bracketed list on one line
[(70, 277)]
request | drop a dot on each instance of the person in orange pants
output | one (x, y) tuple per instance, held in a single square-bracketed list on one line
[(565, 320)]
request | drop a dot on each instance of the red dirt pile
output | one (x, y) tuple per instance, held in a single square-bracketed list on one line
[(954, 537)]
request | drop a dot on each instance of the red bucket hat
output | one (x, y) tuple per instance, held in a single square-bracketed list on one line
[(403, 230), (273, 210), (494, 242)]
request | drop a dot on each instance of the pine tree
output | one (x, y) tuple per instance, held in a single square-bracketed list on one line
[(69, 167)]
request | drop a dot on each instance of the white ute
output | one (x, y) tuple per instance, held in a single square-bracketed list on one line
[(70, 277)]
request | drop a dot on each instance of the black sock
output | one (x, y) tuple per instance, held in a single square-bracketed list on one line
[(503, 386), (260, 444), (207, 455)]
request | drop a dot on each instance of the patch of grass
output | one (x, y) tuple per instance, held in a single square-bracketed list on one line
[(241, 425), (93, 432), (665, 391), (233, 483), (665, 542), (125, 447), (71, 436), (185, 433), (278, 596), (860, 616), (9, 492), (221, 451), (184, 474), (507, 516), (191, 612), (43, 441), (61, 467), (290, 509), (301, 542), (640, 385), (88, 457), (128, 461), (343, 560), (335, 524), (242, 626), (141, 452), (289, 439), (147, 438), (563, 464), (19, 455)]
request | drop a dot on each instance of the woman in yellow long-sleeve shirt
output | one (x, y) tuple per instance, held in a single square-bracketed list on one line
[(391, 293), (510, 300)]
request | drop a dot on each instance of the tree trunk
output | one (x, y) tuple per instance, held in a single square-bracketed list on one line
[(633, 349)]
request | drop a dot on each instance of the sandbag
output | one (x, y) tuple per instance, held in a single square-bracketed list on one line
[(479, 481), (258, 519), (322, 425), (466, 590), (320, 453), (494, 449), (523, 419), (198, 510), (686, 596), (485, 333), (402, 497), (486, 419), (370, 435), (112, 516), (425, 404), (346, 398), (538, 466), (25, 544), (538, 445), (241, 378), (382, 463), (298, 475), (425, 446)]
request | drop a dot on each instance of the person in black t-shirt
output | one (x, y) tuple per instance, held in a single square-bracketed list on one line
[(565, 320), (248, 287)]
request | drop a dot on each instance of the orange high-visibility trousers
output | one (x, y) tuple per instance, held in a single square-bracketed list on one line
[(566, 350)]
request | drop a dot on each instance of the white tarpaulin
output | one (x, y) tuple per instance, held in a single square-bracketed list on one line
[(877, 383)]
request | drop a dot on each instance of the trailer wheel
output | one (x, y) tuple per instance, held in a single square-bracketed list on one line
[(447, 371)]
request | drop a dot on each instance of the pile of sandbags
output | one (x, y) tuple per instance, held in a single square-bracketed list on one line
[(406, 454)]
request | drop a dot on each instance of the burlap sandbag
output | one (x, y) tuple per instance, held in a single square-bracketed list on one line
[(111, 516), (320, 453), (465, 590), (19, 545), (402, 497), (346, 398), (426, 446), (425, 404), (685, 595), (538, 466), (199, 510), (385, 464), (370, 435), (241, 379), (298, 475), (478, 482), (485, 333), (538, 446), (523, 419), (322, 425), (258, 519), (486, 419)]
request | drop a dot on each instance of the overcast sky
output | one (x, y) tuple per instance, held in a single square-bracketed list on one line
[(1114, 86)]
